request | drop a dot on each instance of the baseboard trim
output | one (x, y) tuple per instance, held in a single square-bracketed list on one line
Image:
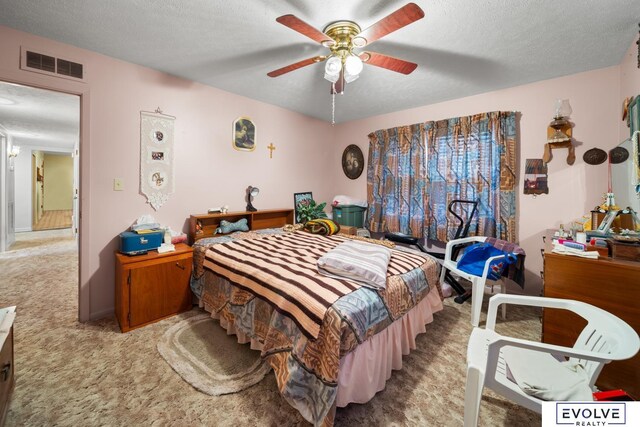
[(23, 230)]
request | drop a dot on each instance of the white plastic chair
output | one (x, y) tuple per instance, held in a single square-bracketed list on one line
[(478, 283), (605, 338)]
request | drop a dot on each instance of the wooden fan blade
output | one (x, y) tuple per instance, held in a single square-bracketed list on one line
[(339, 84), (388, 62), (305, 29), (398, 19), (300, 64)]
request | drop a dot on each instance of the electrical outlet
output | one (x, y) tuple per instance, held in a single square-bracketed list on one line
[(118, 185)]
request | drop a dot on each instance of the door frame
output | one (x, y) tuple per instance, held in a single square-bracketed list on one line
[(41, 81), (4, 172)]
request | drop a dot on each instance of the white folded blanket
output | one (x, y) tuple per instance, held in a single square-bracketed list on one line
[(543, 376), (362, 262)]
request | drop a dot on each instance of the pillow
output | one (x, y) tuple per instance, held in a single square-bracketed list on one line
[(362, 262), (322, 226), (228, 227), (543, 376)]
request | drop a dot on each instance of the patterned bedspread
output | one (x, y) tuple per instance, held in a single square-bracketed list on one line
[(304, 351)]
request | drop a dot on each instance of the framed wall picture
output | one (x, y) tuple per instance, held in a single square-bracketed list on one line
[(352, 161), (535, 177), (244, 134), (297, 198)]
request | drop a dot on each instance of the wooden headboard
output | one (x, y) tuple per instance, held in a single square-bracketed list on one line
[(204, 225)]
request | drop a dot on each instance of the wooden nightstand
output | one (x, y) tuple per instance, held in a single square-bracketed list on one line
[(7, 380), (153, 286)]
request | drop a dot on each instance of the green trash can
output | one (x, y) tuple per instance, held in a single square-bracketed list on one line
[(350, 215)]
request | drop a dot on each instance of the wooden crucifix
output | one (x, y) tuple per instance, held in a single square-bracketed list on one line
[(271, 147)]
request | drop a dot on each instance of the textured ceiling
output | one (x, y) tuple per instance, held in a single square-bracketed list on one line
[(38, 117), (461, 47)]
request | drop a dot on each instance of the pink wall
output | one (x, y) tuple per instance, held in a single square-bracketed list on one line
[(573, 190), (629, 82), (208, 171)]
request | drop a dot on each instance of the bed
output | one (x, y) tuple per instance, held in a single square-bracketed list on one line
[(314, 331)]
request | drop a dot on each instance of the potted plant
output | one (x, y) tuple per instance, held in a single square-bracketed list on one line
[(308, 210)]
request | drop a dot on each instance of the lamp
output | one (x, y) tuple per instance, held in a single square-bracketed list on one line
[(251, 193), (13, 152), (559, 131), (563, 110)]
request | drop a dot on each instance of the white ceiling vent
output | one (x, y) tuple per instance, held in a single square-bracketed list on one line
[(32, 60)]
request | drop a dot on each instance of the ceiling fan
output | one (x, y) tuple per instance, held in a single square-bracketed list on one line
[(343, 64)]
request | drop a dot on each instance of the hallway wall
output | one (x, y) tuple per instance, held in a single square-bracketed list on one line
[(58, 182), (23, 205)]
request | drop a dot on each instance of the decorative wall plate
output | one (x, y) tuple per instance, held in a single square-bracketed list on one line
[(618, 155), (595, 156), (352, 161)]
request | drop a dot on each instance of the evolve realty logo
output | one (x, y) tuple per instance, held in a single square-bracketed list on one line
[(590, 414)]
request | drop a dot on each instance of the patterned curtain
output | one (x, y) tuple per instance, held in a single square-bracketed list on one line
[(396, 179), (472, 158)]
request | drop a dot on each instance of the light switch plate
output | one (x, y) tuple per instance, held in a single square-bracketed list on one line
[(118, 185)]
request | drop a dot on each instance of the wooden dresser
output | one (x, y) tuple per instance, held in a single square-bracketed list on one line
[(153, 286), (612, 285), (7, 379)]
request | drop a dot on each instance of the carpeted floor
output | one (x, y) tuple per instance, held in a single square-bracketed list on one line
[(73, 374)]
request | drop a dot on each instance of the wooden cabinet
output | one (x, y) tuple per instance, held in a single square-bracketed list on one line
[(153, 286), (204, 225), (612, 285), (7, 379)]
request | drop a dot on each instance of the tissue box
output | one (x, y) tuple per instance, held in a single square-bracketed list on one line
[(132, 243)]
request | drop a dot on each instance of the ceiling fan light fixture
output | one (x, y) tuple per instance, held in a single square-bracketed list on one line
[(331, 77), (353, 65), (348, 78), (352, 68), (332, 69)]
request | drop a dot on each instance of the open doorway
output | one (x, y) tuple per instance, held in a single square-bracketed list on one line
[(42, 129)]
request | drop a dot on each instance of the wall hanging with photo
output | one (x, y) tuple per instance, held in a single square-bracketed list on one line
[(156, 157), (244, 134), (535, 177)]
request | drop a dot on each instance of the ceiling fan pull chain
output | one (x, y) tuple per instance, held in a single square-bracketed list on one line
[(333, 105)]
